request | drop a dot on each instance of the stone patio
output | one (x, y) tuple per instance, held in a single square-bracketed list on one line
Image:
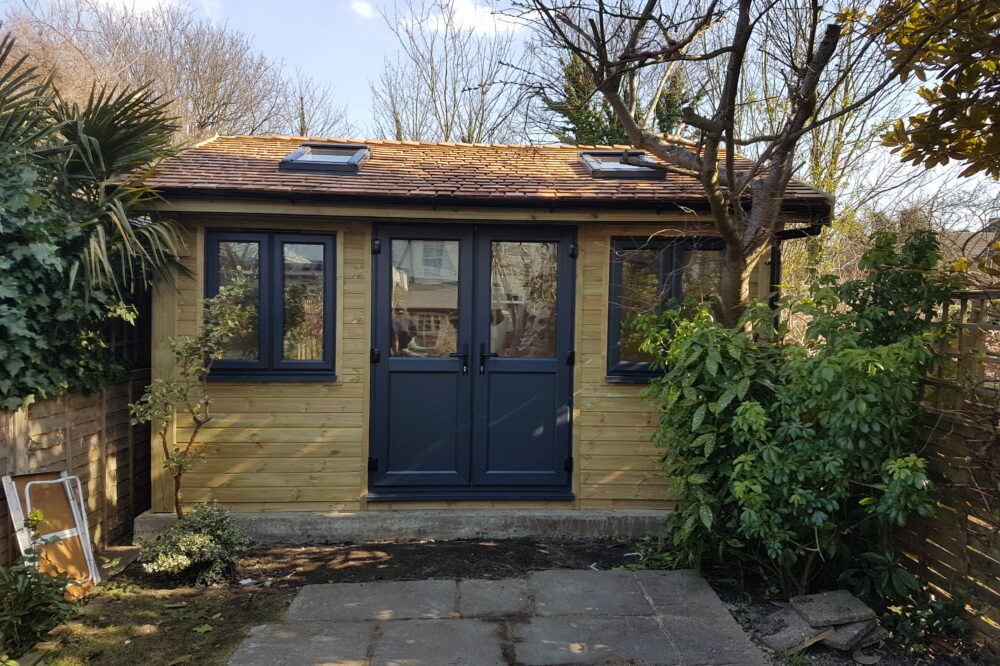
[(550, 617)]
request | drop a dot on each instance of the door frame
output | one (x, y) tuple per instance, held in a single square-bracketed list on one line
[(566, 236)]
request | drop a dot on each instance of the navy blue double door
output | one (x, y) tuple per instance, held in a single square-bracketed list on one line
[(472, 363)]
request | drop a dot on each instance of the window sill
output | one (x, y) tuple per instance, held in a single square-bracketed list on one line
[(629, 379), (272, 377)]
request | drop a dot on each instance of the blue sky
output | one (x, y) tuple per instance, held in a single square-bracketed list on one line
[(342, 43)]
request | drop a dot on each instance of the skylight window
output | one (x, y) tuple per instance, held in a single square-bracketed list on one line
[(326, 157), (608, 164)]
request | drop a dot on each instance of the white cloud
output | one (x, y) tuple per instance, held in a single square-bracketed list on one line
[(364, 8)]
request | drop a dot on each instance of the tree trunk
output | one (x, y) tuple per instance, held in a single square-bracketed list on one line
[(177, 497), (734, 285)]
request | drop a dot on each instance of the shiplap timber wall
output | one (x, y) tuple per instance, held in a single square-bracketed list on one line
[(286, 446), (88, 436)]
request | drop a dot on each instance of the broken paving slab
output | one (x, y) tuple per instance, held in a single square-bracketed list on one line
[(876, 635), (787, 631), (832, 608), (846, 637)]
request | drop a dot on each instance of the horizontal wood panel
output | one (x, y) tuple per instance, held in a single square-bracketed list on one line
[(297, 479), (274, 465), (290, 450), (272, 435)]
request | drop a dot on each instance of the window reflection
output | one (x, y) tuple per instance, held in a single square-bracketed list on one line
[(303, 267), (640, 294), (424, 298), (239, 262), (523, 302)]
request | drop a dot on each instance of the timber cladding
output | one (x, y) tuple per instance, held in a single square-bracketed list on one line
[(287, 446), (88, 436)]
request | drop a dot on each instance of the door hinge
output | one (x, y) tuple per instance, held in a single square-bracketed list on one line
[(376, 355), (570, 357), (568, 465), (376, 245), (574, 250), (372, 463)]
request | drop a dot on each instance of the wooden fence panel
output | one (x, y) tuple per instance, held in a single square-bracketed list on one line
[(88, 436), (957, 551)]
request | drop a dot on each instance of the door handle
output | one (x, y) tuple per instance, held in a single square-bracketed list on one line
[(483, 355), (464, 355)]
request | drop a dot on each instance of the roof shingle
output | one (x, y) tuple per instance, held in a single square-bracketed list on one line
[(410, 170)]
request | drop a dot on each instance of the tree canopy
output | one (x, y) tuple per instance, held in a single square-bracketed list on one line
[(954, 45)]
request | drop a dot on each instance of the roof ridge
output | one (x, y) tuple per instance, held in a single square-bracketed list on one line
[(408, 142)]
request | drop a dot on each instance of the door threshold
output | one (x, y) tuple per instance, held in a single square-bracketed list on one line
[(469, 496)]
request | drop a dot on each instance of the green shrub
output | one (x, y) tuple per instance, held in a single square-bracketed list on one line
[(31, 604), (201, 548), (912, 623), (794, 457)]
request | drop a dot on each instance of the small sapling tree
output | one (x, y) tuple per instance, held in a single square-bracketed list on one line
[(186, 390)]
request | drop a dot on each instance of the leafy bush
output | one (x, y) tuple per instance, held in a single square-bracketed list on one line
[(912, 623), (794, 458), (32, 602), (201, 548)]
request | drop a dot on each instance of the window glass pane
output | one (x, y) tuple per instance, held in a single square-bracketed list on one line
[(639, 294), (303, 266), (239, 268), (701, 274), (331, 155), (424, 298), (523, 300)]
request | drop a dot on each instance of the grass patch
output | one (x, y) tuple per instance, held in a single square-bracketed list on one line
[(126, 625)]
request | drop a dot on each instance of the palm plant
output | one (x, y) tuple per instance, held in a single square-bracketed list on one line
[(97, 158)]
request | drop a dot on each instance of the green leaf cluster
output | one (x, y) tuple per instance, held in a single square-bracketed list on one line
[(202, 548), (73, 250), (584, 118), (32, 602), (794, 457), (954, 44)]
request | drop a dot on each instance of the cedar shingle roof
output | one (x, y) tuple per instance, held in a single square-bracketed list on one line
[(430, 172)]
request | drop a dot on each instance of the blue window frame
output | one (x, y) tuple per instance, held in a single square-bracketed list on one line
[(645, 274), (287, 281)]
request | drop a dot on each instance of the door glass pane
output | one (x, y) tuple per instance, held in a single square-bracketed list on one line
[(523, 299), (639, 295), (424, 298), (701, 274), (303, 301), (239, 282)]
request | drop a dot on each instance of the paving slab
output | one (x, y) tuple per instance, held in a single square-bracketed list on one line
[(588, 593), (545, 641), (847, 636), (552, 617), (493, 598), (876, 635), (830, 608), (708, 635), (787, 631), (681, 587), (398, 600), (438, 643), (300, 643)]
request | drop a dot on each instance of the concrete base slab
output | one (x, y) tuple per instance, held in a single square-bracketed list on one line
[(703, 636), (832, 608), (592, 640), (311, 527), (402, 600), (684, 587), (787, 631), (847, 636), (439, 642)]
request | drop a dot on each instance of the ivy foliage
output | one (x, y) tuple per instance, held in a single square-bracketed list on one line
[(954, 44), (74, 252), (793, 458)]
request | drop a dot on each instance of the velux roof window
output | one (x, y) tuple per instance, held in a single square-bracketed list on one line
[(326, 157), (608, 164)]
